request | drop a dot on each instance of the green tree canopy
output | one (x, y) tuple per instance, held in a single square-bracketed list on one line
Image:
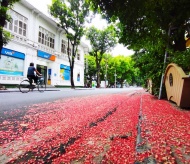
[(148, 20), (124, 69), (102, 41), (5, 5), (119, 69), (150, 28), (70, 15), (90, 69)]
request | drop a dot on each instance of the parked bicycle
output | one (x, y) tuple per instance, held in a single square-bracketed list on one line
[(26, 85)]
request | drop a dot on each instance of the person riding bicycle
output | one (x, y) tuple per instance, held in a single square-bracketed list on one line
[(32, 73)]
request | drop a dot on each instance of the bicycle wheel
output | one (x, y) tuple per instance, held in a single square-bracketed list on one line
[(41, 86), (24, 86)]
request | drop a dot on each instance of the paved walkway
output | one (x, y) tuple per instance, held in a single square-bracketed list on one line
[(48, 88), (7, 90)]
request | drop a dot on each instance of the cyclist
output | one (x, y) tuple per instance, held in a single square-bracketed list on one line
[(32, 73)]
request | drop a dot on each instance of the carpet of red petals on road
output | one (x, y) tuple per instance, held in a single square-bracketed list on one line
[(66, 113), (50, 124), (166, 130), (111, 141), (96, 129)]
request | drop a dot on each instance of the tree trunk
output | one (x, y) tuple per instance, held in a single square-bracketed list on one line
[(98, 78), (1, 42), (121, 84), (98, 74), (72, 67), (180, 43), (72, 79), (71, 62)]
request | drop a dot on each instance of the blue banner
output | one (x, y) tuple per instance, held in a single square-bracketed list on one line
[(43, 54), (62, 66), (12, 53), (15, 73)]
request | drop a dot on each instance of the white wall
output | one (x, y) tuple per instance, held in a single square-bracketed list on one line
[(29, 46)]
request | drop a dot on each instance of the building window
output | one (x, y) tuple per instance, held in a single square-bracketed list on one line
[(17, 24), (78, 56), (47, 38), (69, 51), (63, 46)]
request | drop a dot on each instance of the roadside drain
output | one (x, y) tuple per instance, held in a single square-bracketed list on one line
[(141, 143)]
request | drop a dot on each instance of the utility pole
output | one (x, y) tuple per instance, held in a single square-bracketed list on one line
[(106, 70), (165, 58), (106, 74), (115, 77)]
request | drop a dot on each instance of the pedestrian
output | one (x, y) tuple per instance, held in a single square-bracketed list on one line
[(32, 73)]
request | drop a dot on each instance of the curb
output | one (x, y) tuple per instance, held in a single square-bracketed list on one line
[(47, 89), (8, 91)]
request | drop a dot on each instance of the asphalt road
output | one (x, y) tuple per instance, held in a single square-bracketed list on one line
[(17, 100)]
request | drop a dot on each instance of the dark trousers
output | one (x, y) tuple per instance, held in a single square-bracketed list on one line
[(33, 77)]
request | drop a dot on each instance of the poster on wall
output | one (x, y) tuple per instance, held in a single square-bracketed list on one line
[(11, 66), (64, 72)]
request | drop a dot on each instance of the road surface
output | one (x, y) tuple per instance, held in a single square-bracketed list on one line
[(13, 100)]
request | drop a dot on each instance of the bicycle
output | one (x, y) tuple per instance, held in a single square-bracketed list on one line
[(26, 85)]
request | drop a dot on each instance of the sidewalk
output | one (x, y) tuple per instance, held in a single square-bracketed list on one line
[(48, 88), (8, 90)]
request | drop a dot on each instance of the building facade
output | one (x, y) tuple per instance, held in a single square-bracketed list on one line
[(37, 39)]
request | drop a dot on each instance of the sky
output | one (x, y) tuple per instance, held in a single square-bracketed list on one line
[(97, 21), (119, 49)]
